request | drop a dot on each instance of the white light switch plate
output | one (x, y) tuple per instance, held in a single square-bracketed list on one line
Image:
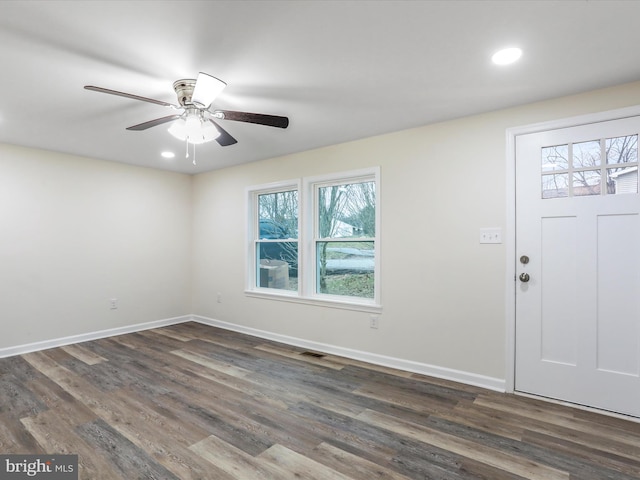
[(491, 235)]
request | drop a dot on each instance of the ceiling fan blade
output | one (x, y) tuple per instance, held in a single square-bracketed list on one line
[(129, 95), (259, 118), (206, 90), (153, 123), (225, 139)]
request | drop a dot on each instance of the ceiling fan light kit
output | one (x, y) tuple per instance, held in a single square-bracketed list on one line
[(193, 128), (196, 124)]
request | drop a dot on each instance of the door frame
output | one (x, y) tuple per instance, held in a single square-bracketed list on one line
[(510, 230)]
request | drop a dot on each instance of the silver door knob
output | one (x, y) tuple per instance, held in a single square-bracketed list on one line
[(524, 277)]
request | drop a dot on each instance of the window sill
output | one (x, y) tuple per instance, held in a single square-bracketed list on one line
[(320, 302)]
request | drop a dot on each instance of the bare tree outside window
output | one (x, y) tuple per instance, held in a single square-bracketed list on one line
[(555, 159), (346, 231), (587, 155), (281, 208), (623, 153), (314, 239), (607, 166), (277, 245)]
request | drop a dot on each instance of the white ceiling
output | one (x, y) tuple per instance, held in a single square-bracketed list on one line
[(340, 70)]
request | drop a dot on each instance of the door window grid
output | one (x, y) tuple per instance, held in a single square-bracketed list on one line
[(613, 159)]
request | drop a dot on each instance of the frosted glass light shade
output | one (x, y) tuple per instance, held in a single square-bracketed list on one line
[(206, 90), (194, 129)]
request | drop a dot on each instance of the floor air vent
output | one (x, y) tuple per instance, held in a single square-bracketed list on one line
[(312, 354)]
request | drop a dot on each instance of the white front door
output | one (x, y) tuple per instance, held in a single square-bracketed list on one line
[(578, 265)]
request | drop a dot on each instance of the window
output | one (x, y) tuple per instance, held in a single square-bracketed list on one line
[(345, 239), (316, 240), (276, 248), (612, 162)]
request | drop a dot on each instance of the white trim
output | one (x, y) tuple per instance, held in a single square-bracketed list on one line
[(307, 202), (310, 187), (468, 378), (338, 178), (331, 302), (579, 120), (459, 376), (510, 234), (85, 337), (251, 199), (510, 280)]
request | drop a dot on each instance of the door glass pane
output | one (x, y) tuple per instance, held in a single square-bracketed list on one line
[(622, 149), (586, 154), (586, 183), (346, 268), (622, 180), (555, 158), (555, 185)]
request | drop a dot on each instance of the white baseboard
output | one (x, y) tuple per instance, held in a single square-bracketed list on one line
[(491, 383), (85, 337), (468, 378)]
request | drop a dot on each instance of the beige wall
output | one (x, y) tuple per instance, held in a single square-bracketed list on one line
[(443, 293), (76, 232)]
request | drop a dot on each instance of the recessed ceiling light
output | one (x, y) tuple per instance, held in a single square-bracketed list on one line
[(168, 154), (506, 56)]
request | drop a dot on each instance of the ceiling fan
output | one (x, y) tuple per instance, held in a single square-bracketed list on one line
[(197, 122)]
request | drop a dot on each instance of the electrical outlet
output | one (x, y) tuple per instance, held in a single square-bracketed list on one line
[(113, 303), (374, 321), (219, 297)]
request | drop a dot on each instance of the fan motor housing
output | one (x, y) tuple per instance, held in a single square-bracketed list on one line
[(184, 91)]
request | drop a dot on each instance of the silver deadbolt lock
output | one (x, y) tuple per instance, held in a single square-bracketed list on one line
[(524, 259), (524, 277)]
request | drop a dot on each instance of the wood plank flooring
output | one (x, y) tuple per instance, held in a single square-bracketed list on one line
[(196, 402)]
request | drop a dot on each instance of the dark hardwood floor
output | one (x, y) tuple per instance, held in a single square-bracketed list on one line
[(196, 402)]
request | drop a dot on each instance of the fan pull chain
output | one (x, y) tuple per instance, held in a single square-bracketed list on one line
[(194, 150)]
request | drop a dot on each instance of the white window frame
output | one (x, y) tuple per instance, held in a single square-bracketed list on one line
[(307, 227), (253, 235)]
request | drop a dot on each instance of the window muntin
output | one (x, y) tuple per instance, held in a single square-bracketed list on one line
[(329, 246), (345, 239), (605, 166), (276, 245)]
